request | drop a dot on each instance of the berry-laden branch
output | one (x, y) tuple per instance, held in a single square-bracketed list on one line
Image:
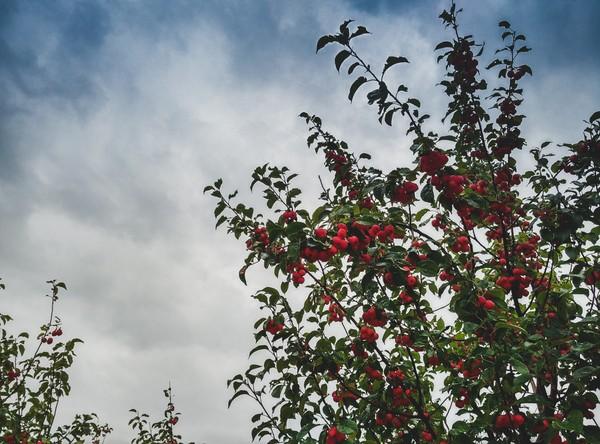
[(439, 303), (32, 388)]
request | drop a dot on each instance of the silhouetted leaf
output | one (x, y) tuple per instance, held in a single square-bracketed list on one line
[(355, 85), (359, 31), (340, 57), (392, 60), (325, 40)]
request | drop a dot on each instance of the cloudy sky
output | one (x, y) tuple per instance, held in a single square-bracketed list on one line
[(115, 115)]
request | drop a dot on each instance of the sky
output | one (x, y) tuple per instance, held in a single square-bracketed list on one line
[(115, 115)]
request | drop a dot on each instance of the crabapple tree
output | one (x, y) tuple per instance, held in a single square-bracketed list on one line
[(32, 383), (455, 301), (161, 431)]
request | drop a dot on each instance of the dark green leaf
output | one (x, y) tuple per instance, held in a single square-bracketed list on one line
[(392, 60), (340, 57), (325, 40), (355, 85)]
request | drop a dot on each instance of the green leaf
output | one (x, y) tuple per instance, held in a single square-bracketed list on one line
[(584, 372), (520, 367), (504, 24), (340, 57), (595, 116), (258, 348), (391, 61), (353, 67), (237, 395), (414, 102), (573, 422), (325, 40), (242, 274), (428, 268), (427, 193), (355, 85), (572, 252), (442, 45), (360, 30), (389, 115)]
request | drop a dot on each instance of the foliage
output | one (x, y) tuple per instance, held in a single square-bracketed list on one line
[(160, 431), (452, 302), (32, 387)]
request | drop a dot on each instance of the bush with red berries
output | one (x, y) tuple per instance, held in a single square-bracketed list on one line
[(452, 302), (161, 431), (32, 383)]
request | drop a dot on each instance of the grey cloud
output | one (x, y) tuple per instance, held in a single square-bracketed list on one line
[(139, 107)]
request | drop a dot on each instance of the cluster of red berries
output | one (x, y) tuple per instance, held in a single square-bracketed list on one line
[(509, 421), (485, 303), (405, 297), (516, 73), (450, 185), (298, 271), (334, 436), (504, 179), (464, 64), (433, 161), (49, 339), (336, 161), (391, 419), (462, 399), (401, 396), (373, 373), (461, 245), (470, 370), (479, 187), (273, 326), (586, 153), (13, 374), (342, 241), (259, 238), (592, 276), (375, 317), (368, 334), (24, 439), (405, 193), (517, 282), (390, 280), (289, 216), (343, 395), (404, 340), (336, 313)]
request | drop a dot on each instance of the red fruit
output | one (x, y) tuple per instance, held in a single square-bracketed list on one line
[(49, 340), (502, 422), (320, 233), (517, 420), (273, 326), (388, 278), (489, 305), (340, 243), (426, 436), (367, 334), (411, 281), (404, 340), (174, 420), (289, 215), (432, 162), (542, 426), (334, 436)]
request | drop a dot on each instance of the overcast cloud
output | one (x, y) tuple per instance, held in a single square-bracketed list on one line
[(113, 118)]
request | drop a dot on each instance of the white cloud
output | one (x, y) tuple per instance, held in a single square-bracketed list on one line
[(109, 195)]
